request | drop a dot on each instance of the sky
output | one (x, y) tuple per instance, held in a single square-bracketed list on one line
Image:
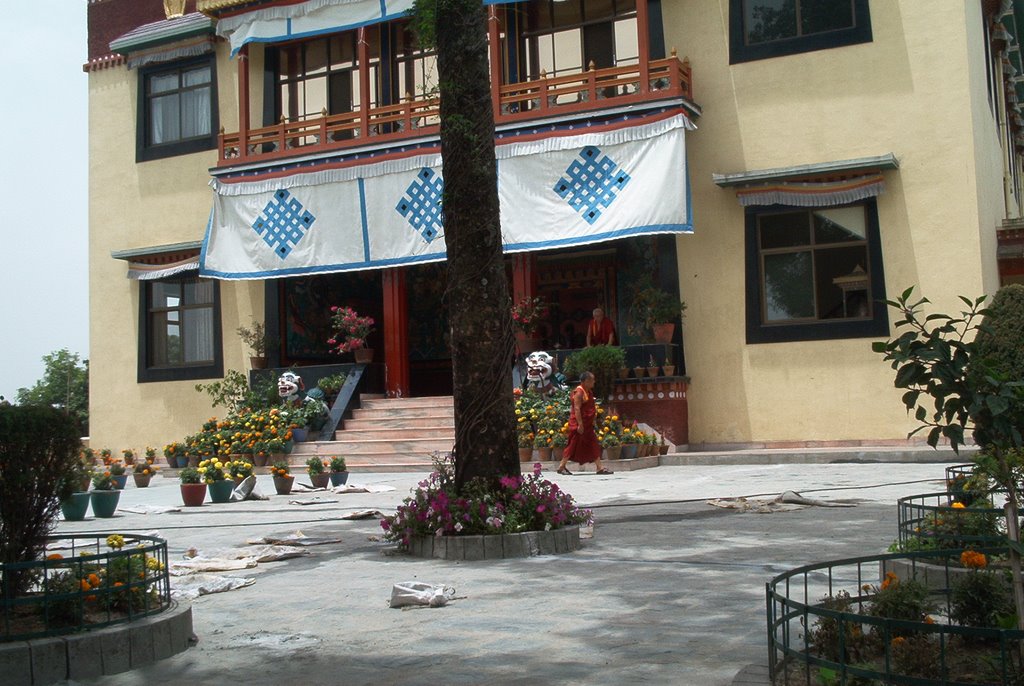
[(44, 304)]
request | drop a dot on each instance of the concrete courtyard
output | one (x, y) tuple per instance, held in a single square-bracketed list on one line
[(670, 590)]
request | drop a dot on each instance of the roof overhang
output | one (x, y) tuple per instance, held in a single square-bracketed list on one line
[(160, 261), (802, 171), (160, 33)]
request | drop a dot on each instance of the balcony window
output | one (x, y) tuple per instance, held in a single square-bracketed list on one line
[(815, 272), (177, 109), (323, 74), (416, 67), (180, 330), (561, 38), (759, 29)]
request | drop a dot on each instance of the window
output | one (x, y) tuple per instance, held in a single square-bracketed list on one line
[(177, 110), (564, 37), (814, 273), (180, 330), (759, 29)]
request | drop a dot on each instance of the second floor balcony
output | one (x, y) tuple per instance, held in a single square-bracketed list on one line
[(356, 88)]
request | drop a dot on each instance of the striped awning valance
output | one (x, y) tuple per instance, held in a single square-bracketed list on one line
[(812, 193)]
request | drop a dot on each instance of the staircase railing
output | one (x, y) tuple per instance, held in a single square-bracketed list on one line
[(347, 396)]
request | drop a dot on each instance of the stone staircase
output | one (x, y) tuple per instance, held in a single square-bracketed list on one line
[(387, 435)]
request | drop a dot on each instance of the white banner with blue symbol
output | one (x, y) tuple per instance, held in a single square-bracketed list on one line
[(575, 186)]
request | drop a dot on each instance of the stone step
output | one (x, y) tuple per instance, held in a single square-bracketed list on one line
[(388, 423), (403, 412), (404, 403), (423, 463), (423, 446), (374, 432)]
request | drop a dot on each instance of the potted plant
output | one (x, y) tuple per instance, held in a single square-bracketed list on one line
[(524, 439), (118, 474), (527, 315), (317, 471), (216, 478), (612, 446), (142, 473), (350, 333), (652, 367), (255, 337), (75, 483), (239, 470), (604, 361), (668, 369), (193, 488), (542, 444), (558, 442), (331, 385), (175, 455), (128, 457), (339, 471), (282, 477), (656, 311), (105, 495)]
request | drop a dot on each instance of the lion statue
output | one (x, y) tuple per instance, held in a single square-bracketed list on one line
[(540, 373)]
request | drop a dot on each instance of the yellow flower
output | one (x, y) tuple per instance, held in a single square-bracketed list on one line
[(115, 541), (958, 506)]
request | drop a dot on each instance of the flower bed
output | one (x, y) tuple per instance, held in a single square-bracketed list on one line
[(522, 504), (855, 620), (937, 520), (87, 582)]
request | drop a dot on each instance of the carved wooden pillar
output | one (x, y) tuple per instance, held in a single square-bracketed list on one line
[(396, 333), (643, 43), (243, 101)]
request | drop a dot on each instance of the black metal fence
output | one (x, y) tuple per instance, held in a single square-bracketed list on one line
[(85, 582)]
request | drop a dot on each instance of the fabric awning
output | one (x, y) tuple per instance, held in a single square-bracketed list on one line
[(820, 184), (577, 185), (308, 19), (160, 261)]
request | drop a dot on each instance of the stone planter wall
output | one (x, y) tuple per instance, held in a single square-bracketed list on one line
[(92, 654), (498, 546)]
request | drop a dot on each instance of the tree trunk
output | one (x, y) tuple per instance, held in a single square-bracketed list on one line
[(479, 304), (1013, 533)]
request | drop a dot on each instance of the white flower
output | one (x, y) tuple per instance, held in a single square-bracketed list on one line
[(458, 526)]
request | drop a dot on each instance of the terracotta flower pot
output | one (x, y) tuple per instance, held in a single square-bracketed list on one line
[(259, 459), (669, 369), (141, 480), (638, 372), (283, 484), (320, 480), (652, 372), (193, 495), (525, 454), (543, 454), (663, 332), (363, 355)]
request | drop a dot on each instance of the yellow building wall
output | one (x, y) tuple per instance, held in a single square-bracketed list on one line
[(137, 205), (911, 92)]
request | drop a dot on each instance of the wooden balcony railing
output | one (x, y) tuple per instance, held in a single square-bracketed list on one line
[(594, 89)]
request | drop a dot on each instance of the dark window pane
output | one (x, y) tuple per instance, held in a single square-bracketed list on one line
[(164, 295), (840, 225), (784, 230), (842, 282), (768, 20), (817, 16), (598, 9), (788, 286), (567, 13)]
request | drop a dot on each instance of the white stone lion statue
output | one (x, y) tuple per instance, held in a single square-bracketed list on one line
[(540, 373)]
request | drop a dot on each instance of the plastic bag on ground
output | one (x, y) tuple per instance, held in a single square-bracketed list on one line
[(409, 593)]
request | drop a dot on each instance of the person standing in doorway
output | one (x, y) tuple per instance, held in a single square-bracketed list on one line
[(583, 445), (601, 330)]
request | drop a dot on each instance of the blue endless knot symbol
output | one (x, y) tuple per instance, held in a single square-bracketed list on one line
[(283, 223), (591, 183), (421, 204)]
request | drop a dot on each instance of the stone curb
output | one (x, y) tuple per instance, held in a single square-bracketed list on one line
[(92, 654), (498, 546)]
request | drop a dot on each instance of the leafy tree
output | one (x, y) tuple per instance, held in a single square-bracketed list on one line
[(38, 456), (482, 336), (65, 386), (953, 363)]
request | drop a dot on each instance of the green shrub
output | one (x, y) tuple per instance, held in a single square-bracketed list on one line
[(38, 453), (980, 599), (825, 632), (999, 341), (905, 600), (604, 361)]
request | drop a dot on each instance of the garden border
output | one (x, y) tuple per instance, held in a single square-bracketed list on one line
[(102, 652), (496, 546)]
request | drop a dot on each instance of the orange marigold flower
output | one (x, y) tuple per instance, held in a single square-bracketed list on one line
[(54, 556), (958, 506), (84, 585), (94, 579), (898, 641), (890, 580), (972, 559), (928, 619)]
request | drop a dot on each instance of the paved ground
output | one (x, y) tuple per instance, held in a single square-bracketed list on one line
[(670, 590)]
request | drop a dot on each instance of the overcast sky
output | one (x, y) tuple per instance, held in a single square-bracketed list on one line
[(44, 304)]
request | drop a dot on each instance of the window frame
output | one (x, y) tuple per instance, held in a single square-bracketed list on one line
[(759, 331), (144, 151), (148, 373), (740, 52)]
